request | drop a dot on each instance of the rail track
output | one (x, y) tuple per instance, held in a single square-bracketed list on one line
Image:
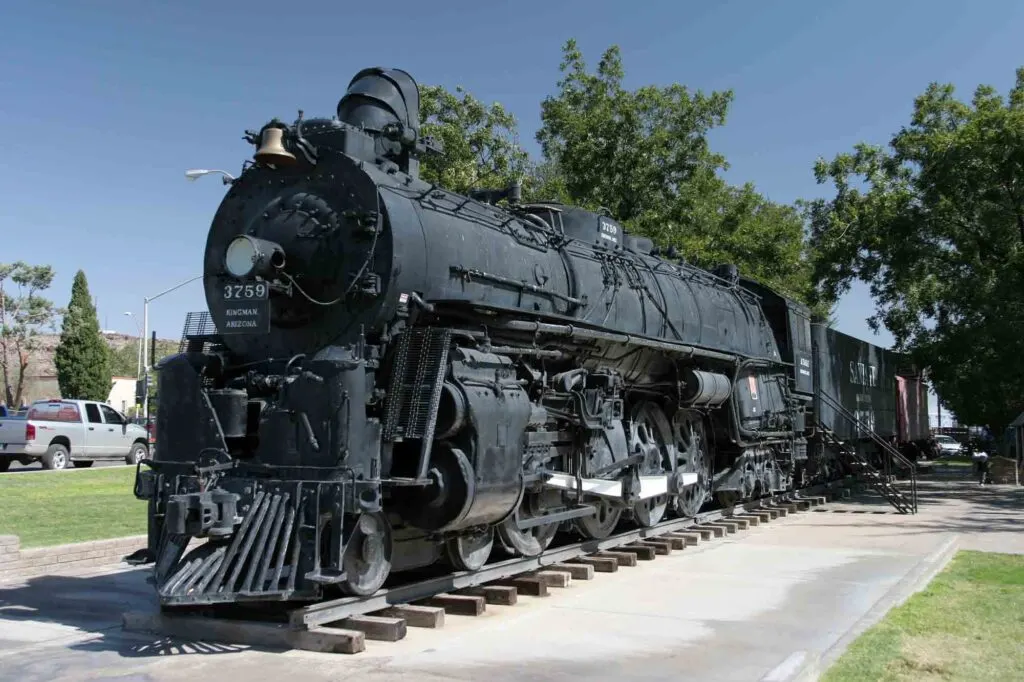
[(343, 625)]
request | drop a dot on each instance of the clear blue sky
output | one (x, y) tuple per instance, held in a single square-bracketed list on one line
[(103, 105)]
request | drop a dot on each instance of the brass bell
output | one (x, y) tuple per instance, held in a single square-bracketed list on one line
[(272, 149)]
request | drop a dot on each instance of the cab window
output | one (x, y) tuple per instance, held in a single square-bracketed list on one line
[(110, 415)]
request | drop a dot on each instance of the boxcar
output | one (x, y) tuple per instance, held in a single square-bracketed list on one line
[(878, 386)]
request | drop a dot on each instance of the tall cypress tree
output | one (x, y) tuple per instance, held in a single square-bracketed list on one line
[(82, 357)]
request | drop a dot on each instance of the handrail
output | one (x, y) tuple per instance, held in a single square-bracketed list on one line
[(896, 454), (889, 449)]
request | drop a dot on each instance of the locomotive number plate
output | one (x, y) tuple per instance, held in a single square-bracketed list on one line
[(246, 308)]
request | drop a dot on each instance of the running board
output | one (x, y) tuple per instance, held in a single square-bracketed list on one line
[(650, 486)]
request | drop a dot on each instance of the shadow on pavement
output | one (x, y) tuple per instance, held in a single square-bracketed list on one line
[(56, 607), (954, 505)]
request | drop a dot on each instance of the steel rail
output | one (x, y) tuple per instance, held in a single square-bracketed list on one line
[(339, 609)]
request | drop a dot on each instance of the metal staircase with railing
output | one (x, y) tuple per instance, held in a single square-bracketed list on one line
[(883, 482)]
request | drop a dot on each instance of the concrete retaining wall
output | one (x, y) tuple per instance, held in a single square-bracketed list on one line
[(26, 563)]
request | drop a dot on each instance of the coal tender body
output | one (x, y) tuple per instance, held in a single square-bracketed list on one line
[(397, 376)]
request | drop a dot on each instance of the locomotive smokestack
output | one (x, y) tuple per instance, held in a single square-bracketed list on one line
[(386, 104), (377, 97)]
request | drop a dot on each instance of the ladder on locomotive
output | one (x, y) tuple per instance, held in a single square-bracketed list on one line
[(883, 482)]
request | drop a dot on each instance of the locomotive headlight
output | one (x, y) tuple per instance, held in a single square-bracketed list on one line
[(248, 255)]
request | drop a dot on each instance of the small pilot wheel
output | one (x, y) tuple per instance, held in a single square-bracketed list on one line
[(600, 525), (367, 559), (469, 551), (530, 541)]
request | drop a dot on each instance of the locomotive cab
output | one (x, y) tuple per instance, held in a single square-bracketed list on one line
[(790, 322)]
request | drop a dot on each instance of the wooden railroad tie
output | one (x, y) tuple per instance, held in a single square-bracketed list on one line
[(553, 578), (642, 552), (661, 546), (623, 558), (458, 604), (673, 542), (711, 530), (740, 522), (690, 538), (705, 533), (601, 564), (415, 616), (499, 595), (577, 571), (380, 628), (724, 526), (530, 586)]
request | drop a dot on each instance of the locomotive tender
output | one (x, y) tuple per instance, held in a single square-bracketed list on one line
[(402, 376)]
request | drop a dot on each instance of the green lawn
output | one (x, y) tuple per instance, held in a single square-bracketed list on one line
[(968, 624), (57, 507)]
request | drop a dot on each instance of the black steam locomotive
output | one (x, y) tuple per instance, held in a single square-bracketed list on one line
[(400, 376)]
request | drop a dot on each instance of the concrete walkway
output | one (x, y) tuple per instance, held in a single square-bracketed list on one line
[(765, 604)]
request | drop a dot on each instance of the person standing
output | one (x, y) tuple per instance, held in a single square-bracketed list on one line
[(980, 458)]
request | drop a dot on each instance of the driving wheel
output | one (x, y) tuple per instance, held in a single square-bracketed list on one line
[(692, 456), (650, 434)]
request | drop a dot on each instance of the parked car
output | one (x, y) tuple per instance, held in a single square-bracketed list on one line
[(77, 432), (948, 446)]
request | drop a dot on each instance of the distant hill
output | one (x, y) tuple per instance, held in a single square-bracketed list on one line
[(41, 376), (121, 345)]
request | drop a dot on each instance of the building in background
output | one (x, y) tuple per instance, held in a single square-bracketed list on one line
[(122, 394)]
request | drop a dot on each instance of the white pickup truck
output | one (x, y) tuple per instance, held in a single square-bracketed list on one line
[(77, 432)]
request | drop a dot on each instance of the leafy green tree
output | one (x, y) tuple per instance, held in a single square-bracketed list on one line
[(24, 315), (124, 360), (82, 357), (631, 151), (643, 155), (481, 143), (935, 225)]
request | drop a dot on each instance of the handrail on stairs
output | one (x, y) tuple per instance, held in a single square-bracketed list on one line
[(893, 453)]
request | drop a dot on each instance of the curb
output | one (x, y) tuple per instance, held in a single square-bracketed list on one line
[(19, 564), (803, 666), (20, 472)]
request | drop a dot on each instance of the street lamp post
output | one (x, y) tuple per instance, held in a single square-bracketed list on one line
[(197, 173), (192, 175), (145, 329), (138, 365)]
